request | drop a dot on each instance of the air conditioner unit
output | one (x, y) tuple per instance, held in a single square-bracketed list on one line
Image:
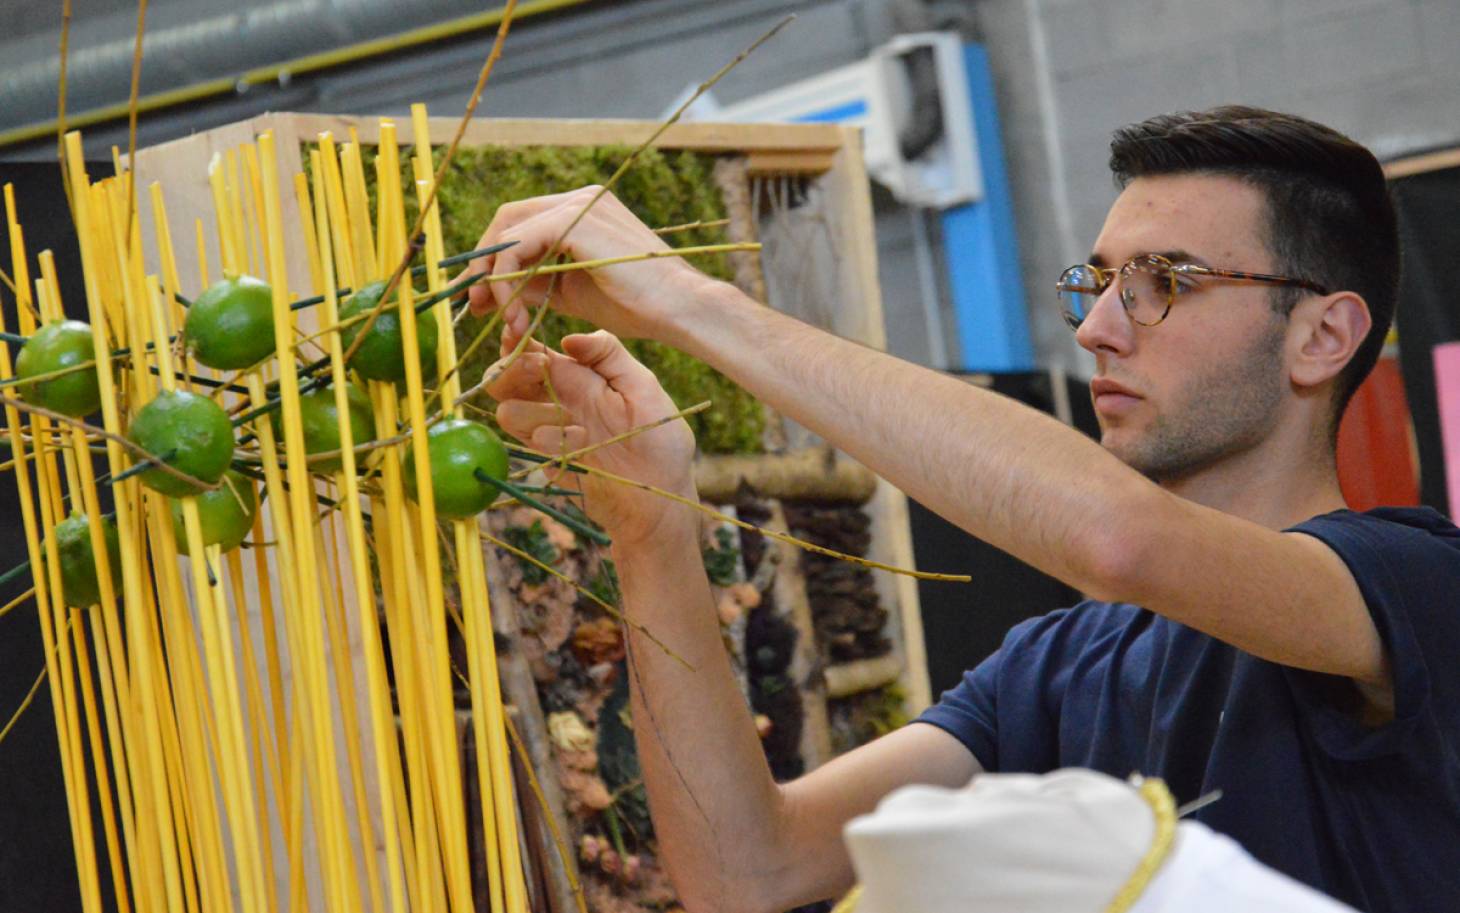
[(911, 92)]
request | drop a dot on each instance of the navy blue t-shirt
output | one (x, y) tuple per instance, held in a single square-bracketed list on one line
[(1370, 815)]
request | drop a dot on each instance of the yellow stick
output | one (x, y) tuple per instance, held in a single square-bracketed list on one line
[(266, 769), (243, 236), (82, 483), (188, 748), (349, 717), (392, 220), (341, 884), (306, 222), (237, 782), (339, 218), (387, 758), (54, 641), (397, 573), (143, 662), (362, 239), (45, 586), (170, 276)]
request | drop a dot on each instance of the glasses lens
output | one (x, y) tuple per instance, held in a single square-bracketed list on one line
[(1079, 287), (1145, 289)]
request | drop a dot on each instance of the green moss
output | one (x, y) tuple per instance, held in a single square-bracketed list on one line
[(861, 718), (532, 540), (721, 561), (663, 188)]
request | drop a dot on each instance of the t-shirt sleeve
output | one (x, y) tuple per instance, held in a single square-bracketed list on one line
[(1410, 580), (969, 713), (1015, 679)]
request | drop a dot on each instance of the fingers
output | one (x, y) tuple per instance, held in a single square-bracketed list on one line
[(552, 439), (536, 225), (515, 321), (522, 418), (605, 353), (522, 379)]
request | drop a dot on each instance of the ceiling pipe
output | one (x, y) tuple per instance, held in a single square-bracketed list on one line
[(237, 50)]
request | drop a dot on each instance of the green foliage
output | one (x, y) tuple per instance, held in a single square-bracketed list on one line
[(618, 762), (720, 561), (861, 718), (534, 541), (663, 188), (604, 583)]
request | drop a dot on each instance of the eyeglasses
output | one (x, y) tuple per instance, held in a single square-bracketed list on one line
[(1149, 285)]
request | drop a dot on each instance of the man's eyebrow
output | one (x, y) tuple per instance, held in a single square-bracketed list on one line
[(1175, 256), (1181, 256)]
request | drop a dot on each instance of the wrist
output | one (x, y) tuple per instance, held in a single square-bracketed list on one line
[(703, 305), (653, 535)]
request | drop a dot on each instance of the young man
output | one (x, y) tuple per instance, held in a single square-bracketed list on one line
[(1244, 631)]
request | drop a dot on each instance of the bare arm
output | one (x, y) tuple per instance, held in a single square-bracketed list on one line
[(1007, 474), (732, 838), (1043, 492)]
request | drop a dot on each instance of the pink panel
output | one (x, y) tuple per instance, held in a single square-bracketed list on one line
[(1447, 397)]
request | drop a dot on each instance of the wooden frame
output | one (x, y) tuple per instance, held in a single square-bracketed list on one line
[(826, 156), (1420, 164)]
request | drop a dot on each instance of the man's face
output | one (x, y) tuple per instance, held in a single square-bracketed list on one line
[(1207, 382)]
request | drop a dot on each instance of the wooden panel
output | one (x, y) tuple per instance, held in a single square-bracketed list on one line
[(850, 191), (794, 161), (1419, 164), (829, 155), (699, 137)]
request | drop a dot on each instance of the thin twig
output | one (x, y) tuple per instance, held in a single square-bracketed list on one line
[(29, 696), (778, 536), (563, 852), (63, 56), (690, 226), (572, 523), (588, 594), (618, 438), (574, 265), (10, 606), (415, 233), (613, 179), (132, 121)]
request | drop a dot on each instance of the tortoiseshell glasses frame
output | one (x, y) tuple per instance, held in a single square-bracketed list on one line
[(1149, 285)]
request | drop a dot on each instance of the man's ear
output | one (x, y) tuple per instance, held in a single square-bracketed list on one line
[(1324, 332)]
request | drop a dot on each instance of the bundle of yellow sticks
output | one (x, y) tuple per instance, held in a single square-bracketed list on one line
[(232, 770)]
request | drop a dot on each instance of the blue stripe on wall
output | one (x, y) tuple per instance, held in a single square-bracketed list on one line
[(847, 111), (981, 250)]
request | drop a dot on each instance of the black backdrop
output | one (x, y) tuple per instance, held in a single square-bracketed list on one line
[(1429, 231), (37, 863), (963, 623)]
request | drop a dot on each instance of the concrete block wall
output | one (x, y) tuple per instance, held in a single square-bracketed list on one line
[(1386, 72), (1067, 72)]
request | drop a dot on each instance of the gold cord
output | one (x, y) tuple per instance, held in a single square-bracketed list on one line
[(849, 903), (1163, 806)]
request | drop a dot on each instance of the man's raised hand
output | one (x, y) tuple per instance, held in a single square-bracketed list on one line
[(601, 392), (631, 299)]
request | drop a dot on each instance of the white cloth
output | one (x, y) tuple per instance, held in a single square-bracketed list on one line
[(1061, 843)]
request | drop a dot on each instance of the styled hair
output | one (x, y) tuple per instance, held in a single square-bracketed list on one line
[(1329, 216)]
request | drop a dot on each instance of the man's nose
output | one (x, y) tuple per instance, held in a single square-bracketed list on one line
[(1107, 327)]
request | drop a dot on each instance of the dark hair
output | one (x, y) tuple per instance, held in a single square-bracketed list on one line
[(1329, 216)]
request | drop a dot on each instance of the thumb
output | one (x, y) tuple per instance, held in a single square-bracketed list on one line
[(605, 354)]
